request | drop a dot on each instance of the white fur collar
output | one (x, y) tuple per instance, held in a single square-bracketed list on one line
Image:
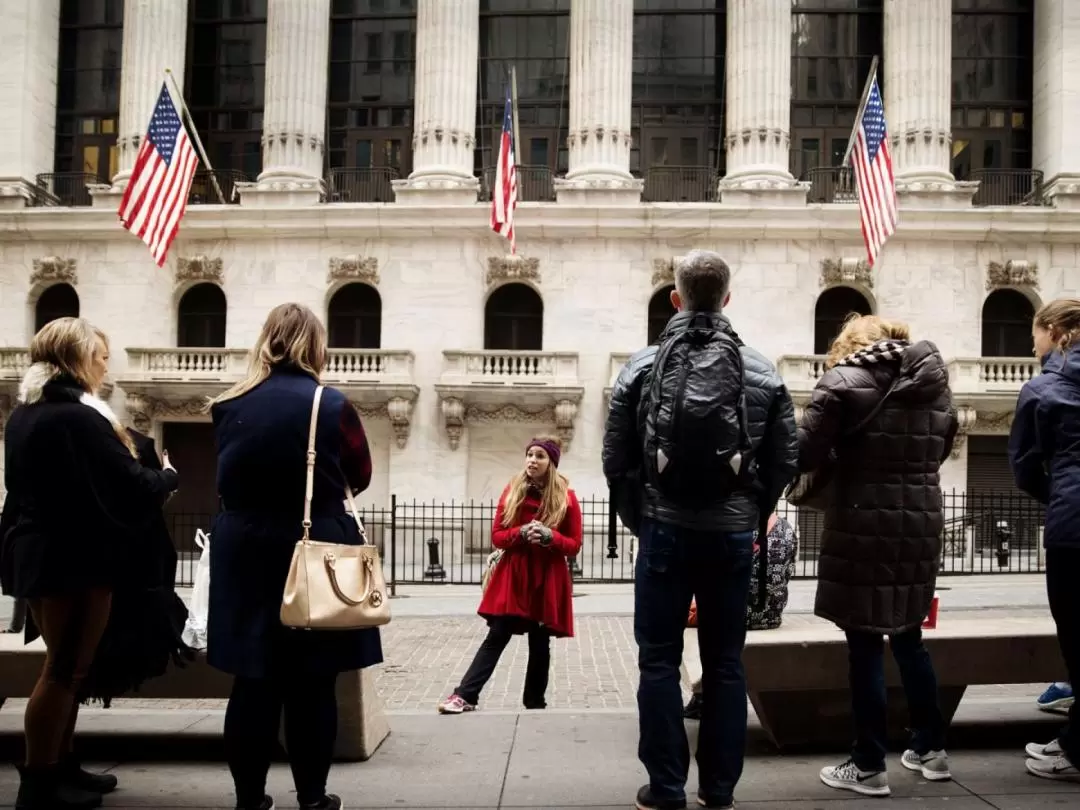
[(102, 407), (35, 378)]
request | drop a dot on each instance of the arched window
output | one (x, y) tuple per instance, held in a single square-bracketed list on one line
[(57, 301), (201, 317), (660, 311), (514, 319), (834, 306), (1006, 324), (354, 318)]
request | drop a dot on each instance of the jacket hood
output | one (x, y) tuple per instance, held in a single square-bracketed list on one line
[(1067, 365), (923, 375), (681, 320)]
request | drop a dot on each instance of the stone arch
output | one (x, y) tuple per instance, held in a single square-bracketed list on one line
[(1005, 323), (201, 315), (354, 317), (514, 318), (58, 300), (834, 306)]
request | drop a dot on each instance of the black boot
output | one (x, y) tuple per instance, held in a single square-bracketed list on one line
[(692, 711), (72, 775), (40, 789)]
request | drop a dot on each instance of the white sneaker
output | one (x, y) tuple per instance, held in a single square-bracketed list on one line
[(1059, 768), (1052, 750), (933, 765), (848, 777)]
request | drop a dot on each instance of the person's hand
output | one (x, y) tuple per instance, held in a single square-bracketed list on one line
[(165, 463)]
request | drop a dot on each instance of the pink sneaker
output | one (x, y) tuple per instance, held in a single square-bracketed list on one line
[(456, 704)]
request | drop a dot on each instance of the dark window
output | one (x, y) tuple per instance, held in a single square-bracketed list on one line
[(88, 91), (1006, 324), (833, 43), (372, 70), (201, 317), (992, 69), (354, 318), (514, 319), (534, 37), (57, 301), (678, 93), (660, 312), (225, 78), (834, 307)]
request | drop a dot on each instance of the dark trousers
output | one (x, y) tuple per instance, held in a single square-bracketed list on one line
[(252, 721), (487, 657), (1063, 592), (866, 673), (673, 566)]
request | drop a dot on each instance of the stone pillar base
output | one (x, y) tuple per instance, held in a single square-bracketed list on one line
[(598, 191), (1063, 192), (16, 192), (935, 193), (772, 192), (105, 196), (280, 193), (436, 190)]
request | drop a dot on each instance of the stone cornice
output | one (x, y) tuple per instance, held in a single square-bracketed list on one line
[(538, 221)]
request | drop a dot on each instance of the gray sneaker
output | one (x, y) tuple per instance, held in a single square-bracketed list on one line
[(933, 765), (1058, 768), (848, 777), (1052, 750)]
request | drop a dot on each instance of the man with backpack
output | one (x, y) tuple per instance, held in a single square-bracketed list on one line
[(700, 442)]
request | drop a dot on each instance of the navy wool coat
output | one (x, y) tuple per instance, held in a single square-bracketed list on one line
[(262, 449)]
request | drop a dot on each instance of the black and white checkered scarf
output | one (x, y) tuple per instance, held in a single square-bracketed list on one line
[(880, 352)]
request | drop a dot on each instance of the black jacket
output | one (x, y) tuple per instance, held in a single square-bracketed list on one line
[(771, 424)]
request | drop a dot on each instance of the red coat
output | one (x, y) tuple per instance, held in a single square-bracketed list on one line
[(532, 581)]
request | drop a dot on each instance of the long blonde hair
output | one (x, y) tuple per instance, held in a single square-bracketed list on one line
[(861, 331), (292, 335), (553, 498), (1062, 316)]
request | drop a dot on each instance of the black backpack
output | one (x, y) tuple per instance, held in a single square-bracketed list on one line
[(697, 446)]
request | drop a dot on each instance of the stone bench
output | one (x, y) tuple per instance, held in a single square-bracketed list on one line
[(362, 722), (797, 675)]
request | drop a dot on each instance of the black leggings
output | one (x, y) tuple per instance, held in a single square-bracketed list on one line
[(487, 657), (252, 721)]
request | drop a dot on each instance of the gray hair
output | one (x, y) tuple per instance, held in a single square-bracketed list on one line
[(702, 280)]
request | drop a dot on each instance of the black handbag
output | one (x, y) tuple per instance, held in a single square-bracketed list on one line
[(814, 490)]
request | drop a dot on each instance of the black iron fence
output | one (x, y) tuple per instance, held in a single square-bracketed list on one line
[(432, 542)]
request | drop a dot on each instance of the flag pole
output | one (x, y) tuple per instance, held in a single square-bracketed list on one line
[(862, 109), (195, 134), (514, 109)]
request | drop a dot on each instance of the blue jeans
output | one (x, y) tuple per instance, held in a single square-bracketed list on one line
[(866, 659), (673, 566)]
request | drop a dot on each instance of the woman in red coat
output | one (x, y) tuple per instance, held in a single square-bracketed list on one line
[(537, 526)]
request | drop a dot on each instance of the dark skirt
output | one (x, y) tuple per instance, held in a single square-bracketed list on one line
[(250, 554)]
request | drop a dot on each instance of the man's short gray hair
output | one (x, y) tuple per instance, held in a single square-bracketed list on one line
[(702, 280)]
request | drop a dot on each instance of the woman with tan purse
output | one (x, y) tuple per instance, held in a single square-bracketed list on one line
[(275, 492)]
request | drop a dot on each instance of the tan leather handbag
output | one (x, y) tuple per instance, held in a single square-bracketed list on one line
[(332, 586)]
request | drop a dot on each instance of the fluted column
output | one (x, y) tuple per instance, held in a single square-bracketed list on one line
[(758, 108), (155, 38), (1056, 103), (444, 131), (294, 110), (601, 73)]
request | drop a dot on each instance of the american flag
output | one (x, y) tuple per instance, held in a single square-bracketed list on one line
[(874, 180), (157, 193), (504, 195)]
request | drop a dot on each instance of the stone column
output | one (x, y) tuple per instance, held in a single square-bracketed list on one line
[(29, 44), (918, 101), (294, 112), (758, 110), (444, 131), (601, 72), (1056, 104)]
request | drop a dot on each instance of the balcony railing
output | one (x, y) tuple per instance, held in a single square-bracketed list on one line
[(370, 185), (681, 184), (801, 372), (832, 185), (991, 375), (535, 184), (369, 365), (13, 362), (67, 190), (193, 364), (202, 188), (511, 368), (1008, 187)]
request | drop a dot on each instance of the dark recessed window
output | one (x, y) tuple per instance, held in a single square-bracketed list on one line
[(514, 319), (57, 301), (354, 318), (1006, 324), (201, 317), (660, 312), (834, 307)]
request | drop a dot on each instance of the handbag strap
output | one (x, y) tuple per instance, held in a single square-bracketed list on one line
[(873, 411), (309, 483)]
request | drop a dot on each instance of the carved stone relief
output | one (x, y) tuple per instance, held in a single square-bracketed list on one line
[(143, 410), (846, 271), (663, 272), (199, 268), (364, 269), (967, 418), (456, 415), (1013, 273), (398, 410), (502, 269), (453, 411), (54, 270)]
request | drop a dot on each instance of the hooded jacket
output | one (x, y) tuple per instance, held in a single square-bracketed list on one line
[(882, 535), (770, 423), (1044, 445)]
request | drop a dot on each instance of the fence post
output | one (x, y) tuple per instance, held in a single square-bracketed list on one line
[(393, 544)]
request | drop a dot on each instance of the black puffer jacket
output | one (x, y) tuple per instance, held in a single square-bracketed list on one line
[(770, 421), (882, 537)]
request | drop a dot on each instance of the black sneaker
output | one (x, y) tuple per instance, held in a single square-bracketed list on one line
[(74, 776), (40, 789), (646, 801), (704, 802), (328, 802), (267, 803), (693, 708)]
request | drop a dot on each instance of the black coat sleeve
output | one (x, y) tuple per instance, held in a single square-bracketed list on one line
[(778, 458), (821, 424), (622, 444)]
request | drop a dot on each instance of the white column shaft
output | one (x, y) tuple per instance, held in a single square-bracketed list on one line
[(155, 38), (1056, 103), (918, 89), (294, 112)]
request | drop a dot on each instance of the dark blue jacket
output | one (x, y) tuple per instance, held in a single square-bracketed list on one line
[(262, 449), (1044, 445)]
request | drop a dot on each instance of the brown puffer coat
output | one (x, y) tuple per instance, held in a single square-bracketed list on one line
[(882, 538)]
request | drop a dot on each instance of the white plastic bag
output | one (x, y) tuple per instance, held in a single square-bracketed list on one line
[(194, 634)]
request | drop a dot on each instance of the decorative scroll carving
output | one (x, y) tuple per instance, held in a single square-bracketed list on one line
[(143, 410), (565, 411), (399, 410), (480, 415), (199, 268), (992, 422), (364, 269), (1013, 273), (502, 269), (846, 271), (140, 410), (54, 270), (453, 411), (967, 418), (663, 273)]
